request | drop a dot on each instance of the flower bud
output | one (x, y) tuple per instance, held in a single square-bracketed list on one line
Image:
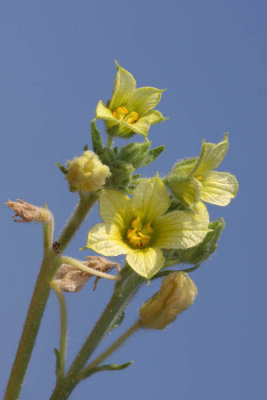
[(176, 294), (87, 173), (28, 212), (72, 279)]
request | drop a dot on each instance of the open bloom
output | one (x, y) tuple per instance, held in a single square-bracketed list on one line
[(130, 110), (176, 294), (140, 228), (193, 179)]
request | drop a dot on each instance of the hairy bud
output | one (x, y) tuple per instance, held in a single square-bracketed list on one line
[(28, 212), (87, 173), (176, 294)]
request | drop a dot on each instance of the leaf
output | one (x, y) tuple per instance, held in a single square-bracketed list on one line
[(96, 139), (108, 367), (62, 169), (119, 320)]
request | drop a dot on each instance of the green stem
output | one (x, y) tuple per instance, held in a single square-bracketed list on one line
[(109, 142), (50, 264), (81, 211), (103, 356), (123, 292), (32, 323), (63, 330)]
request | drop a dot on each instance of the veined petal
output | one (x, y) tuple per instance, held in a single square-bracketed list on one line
[(211, 156), (184, 168), (154, 116), (106, 239), (150, 199), (181, 229), (104, 112), (219, 188), (115, 208), (141, 126), (144, 99), (188, 191), (146, 262), (124, 88)]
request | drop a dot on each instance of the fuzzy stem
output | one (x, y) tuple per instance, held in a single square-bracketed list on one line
[(81, 211), (85, 373), (32, 323), (63, 329), (109, 142), (50, 264), (123, 292)]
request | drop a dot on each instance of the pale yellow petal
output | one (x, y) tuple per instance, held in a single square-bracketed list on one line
[(106, 239), (188, 191), (144, 99), (219, 188), (104, 112), (150, 199), (211, 156), (124, 88), (146, 262), (181, 229), (115, 208)]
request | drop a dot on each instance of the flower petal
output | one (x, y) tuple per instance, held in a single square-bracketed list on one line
[(106, 239), (219, 188), (189, 191), (155, 116), (181, 229), (144, 99), (211, 156), (146, 262), (141, 126), (150, 199), (124, 88), (104, 112), (115, 208)]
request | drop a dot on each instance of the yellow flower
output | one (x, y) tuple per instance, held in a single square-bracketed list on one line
[(176, 294), (193, 179), (86, 173), (140, 228), (130, 110)]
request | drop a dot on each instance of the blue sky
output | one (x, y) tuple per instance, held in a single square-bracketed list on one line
[(57, 62)]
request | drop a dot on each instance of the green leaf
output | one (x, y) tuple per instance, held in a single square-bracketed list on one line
[(107, 367), (119, 320), (154, 153), (62, 169), (134, 153), (96, 139)]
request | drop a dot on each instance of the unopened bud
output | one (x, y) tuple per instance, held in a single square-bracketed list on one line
[(87, 173), (28, 212), (176, 294), (72, 279)]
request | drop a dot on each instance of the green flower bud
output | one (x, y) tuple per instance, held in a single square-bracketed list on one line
[(176, 294), (87, 173)]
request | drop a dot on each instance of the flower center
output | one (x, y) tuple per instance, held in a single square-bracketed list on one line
[(121, 112), (139, 235), (198, 176)]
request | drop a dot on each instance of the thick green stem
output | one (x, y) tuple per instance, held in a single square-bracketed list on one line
[(109, 142), (63, 330), (103, 356), (39, 299), (50, 264), (84, 206), (123, 292)]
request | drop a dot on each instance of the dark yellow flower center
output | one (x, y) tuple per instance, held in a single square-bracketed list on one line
[(198, 176), (139, 235), (121, 112)]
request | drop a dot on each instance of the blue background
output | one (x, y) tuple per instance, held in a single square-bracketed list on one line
[(57, 62)]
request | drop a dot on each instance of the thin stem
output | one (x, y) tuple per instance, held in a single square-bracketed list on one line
[(83, 267), (123, 292), (109, 142), (81, 211), (48, 229), (50, 264), (32, 323), (63, 329), (102, 357)]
